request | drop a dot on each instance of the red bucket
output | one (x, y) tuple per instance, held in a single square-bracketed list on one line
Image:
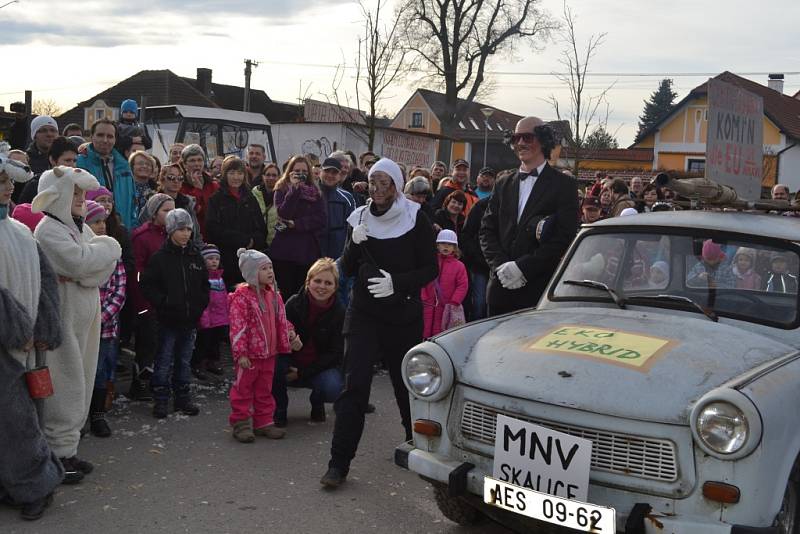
[(40, 386)]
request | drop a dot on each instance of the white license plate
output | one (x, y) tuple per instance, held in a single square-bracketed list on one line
[(572, 514)]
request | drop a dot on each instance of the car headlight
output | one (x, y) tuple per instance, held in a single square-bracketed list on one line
[(428, 372), (722, 427), (424, 374)]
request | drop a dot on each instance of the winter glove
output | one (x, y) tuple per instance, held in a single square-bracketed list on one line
[(511, 276), (381, 287), (360, 233), (244, 362)]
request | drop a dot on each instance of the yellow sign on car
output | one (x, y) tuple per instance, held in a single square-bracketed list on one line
[(629, 349)]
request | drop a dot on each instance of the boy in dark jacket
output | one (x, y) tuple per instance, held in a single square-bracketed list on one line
[(175, 282)]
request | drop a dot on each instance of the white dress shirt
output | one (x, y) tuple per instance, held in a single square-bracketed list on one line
[(525, 188)]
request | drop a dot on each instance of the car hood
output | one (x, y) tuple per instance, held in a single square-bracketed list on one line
[(665, 363)]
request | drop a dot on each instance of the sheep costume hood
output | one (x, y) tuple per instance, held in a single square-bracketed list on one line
[(401, 217), (84, 261)]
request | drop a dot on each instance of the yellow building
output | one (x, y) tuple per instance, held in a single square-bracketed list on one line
[(678, 140)]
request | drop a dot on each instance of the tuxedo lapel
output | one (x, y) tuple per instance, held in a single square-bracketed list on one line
[(538, 193), (513, 196)]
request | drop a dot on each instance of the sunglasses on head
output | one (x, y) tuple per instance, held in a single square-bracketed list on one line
[(526, 138), (174, 177)]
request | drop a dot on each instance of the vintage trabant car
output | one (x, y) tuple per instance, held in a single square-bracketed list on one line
[(667, 340)]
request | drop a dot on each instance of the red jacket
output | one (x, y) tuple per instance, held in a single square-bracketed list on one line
[(147, 239), (201, 196), (453, 284), (249, 336)]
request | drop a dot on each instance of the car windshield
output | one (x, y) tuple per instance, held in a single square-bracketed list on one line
[(713, 275)]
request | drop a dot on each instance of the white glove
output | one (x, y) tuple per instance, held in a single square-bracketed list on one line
[(360, 233), (381, 287), (511, 276)]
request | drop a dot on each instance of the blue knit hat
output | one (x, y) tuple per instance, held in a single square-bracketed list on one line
[(129, 106)]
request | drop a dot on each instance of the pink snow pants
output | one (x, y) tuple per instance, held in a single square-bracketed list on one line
[(251, 394)]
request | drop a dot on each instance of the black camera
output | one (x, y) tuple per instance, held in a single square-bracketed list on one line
[(17, 107), (301, 177)]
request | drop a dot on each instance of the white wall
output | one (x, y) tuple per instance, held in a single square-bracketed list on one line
[(789, 168), (321, 138)]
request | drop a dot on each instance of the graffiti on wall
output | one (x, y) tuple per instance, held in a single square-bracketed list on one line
[(319, 147)]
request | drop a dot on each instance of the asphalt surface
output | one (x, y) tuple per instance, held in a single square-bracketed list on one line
[(187, 474)]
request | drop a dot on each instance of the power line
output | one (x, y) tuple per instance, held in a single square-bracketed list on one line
[(552, 73)]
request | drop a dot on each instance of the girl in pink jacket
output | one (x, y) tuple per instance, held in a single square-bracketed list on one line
[(449, 288), (259, 332)]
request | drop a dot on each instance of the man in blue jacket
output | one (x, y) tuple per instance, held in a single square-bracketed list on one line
[(340, 205), (111, 169)]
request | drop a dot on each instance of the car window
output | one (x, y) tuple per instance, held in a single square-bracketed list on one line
[(740, 279)]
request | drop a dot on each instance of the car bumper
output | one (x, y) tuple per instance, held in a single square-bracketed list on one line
[(461, 479)]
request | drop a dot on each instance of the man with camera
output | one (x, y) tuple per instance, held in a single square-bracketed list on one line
[(524, 202)]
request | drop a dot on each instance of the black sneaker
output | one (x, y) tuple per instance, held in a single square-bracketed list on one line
[(333, 478), (139, 391), (160, 409), (215, 369), (318, 413), (34, 510), (199, 374), (71, 473), (99, 426), (82, 465), (187, 408)]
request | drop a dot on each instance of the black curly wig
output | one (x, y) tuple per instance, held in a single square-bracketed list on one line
[(544, 133)]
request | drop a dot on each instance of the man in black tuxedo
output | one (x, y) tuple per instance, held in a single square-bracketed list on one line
[(529, 222)]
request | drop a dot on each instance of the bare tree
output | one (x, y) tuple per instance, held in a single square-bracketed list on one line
[(46, 107), (379, 64), (585, 113), (452, 42)]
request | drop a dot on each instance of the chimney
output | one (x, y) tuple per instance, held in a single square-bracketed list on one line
[(203, 83), (775, 82)]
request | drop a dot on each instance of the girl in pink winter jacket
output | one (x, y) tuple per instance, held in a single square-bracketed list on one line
[(259, 332), (450, 287)]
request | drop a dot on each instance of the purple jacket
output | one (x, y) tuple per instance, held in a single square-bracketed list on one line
[(306, 208), (216, 313)]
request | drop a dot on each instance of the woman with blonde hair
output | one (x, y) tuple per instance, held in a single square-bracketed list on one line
[(301, 216), (318, 317), (143, 167)]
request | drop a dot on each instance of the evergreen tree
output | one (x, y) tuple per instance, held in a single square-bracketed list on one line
[(600, 138), (659, 104)]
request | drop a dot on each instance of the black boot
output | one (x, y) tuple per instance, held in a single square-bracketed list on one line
[(160, 409), (97, 414), (186, 406), (32, 511), (72, 474), (318, 413)]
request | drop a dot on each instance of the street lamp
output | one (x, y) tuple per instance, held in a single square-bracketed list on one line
[(487, 112)]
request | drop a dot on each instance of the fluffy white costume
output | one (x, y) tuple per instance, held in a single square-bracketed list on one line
[(84, 261)]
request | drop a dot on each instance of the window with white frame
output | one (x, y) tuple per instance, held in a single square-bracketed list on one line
[(416, 119), (696, 164)]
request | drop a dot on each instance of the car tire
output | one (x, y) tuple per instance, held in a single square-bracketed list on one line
[(788, 518), (456, 509)]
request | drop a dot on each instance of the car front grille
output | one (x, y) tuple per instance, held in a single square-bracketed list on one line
[(613, 452)]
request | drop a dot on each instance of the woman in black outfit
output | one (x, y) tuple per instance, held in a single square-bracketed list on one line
[(234, 219), (317, 316), (391, 252)]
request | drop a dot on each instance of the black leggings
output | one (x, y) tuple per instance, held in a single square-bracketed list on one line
[(367, 342)]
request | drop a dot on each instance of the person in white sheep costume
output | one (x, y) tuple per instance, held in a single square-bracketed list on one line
[(29, 471), (83, 262)]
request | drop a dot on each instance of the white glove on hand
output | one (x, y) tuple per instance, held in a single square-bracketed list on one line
[(511, 276), (381, 287), (360, 233)]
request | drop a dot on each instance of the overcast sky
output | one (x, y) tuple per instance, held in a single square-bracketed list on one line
[(69, 51)]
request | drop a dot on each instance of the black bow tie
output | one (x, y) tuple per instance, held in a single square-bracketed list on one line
[(524, 175)]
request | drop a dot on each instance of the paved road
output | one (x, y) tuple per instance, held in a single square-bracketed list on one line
[(188, 475)]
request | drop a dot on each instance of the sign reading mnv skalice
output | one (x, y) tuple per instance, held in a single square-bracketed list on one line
[(544, 460), (735, 140)]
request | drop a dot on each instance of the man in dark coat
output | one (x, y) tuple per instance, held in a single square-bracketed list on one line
[(521, 265)]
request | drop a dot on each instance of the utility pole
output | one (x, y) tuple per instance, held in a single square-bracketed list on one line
[(248, 70)]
